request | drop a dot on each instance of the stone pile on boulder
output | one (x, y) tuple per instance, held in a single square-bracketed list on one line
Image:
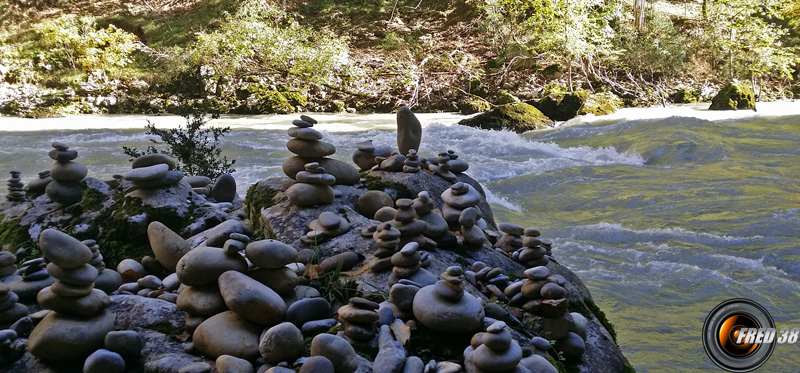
[(457, 198), (442, 168), (313, 187), (457, 166), (79, 321), (10, 310), (411, 164), (359, 318), (426, 211), (327, 225), (200, 184), (494, 351), (153, 171), (15, 188), (8, 264), (511, 240), (393, 163), (107, 280), (533, 252), (446, 307), (33, 278), (38, 186), (235, 243), (411, 229), (491, 280), (307, 145), (366, 152), (65, 189), (472, 235), (387, 238), (408, 265)]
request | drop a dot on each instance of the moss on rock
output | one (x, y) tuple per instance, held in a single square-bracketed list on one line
[(257, 199), (503, 97), (602, 103), (14, 236), (557, 103), (735, 96), (378, 183), (518, 117), (685, 96), (472, 106)]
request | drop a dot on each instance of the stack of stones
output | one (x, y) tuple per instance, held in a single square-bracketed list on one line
[(15, 188), (327, 225), (411, 164), (411, 229), (491, 280), (306, 142), (34, 278), (38, 186), (10, 310), (533, 252), (493, 351), (359, 319), (7, 264), (65, 188), (472, 234), (79, 321), (408, 265), (446, 307), (152, 171), (313, 186), (442, 168), (364, 156), (457, 166), (235, 243), (545, 296), (200, 184), (387, 238), (272, 257), (427, 212), (512, 237), (107, 280), (393, 163), (457, 198)]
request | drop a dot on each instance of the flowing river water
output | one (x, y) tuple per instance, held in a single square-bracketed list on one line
[(662, 212)]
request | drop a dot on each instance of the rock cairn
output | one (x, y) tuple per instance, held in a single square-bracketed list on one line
[(442, 168), (533, 252), (152, 171), (200, 184), (10, 310), (490, 280), (457, 198), (411, 229), (7, 264), (387, 238), (426, 211), (65, 189), (327, 225), (107, 280), (37, 186), (313, 187), (224, 189), (408, 265), (446, 307), (411, 164), (472, 234), (511, 240), (359, 319), (271, 258), (79, 321), (493, 351), (394, 163), (457, 166), (366, 151), (15, 188), (34, 278)]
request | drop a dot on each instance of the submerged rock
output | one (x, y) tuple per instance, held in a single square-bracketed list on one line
[(517, 117), (734, 96)]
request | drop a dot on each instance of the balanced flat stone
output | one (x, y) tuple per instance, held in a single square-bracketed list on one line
[(203, 265), (250, 299), (305, 133), (63, 250), (153, 159), (167, 245), (62, 337), (147, 173), (310, 149), (68, 171), (272, 254)]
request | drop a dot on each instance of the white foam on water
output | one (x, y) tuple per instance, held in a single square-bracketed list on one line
[(494, 200), (616, 233)]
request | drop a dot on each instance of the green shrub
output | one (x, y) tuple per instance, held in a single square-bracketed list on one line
[(194, 148), (73, 42)]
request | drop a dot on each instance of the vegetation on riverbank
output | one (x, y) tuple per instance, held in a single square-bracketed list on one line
[(248, 56)]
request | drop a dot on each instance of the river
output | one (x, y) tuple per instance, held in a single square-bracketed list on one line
[(662, 212)]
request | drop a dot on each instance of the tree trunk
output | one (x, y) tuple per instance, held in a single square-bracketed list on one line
[(639, 8)]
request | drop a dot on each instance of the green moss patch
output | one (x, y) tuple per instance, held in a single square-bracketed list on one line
[(472, 106), (378, 183), (735, 96), (518, 117), (587, 308), (92, 199), (257, 199), (14, 236)]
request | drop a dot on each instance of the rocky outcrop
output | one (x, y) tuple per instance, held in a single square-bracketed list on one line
[(517, 117)]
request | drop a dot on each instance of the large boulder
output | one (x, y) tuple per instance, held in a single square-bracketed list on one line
[(735, 96), (558, 104), (518, 117)]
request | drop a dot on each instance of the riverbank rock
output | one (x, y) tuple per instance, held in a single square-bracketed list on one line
[(517, 117), (734, 96), (559, 105)]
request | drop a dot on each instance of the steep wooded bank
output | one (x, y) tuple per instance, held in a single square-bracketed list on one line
[(374, 55)]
